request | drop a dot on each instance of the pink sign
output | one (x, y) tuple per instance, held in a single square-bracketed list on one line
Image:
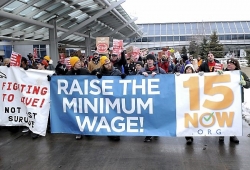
[(35, 53), (117, 46), (15, 59)]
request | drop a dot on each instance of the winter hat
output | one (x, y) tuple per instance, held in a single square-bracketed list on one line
[(150, 57), (189, 65), (46, 58), (95, 52), (73, 60), (235, 62), (104, 59), (45, 63), (139, 62)]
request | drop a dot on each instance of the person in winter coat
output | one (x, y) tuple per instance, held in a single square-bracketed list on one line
[(50, 62), (107, 69), (76, 69), (233, 64), (151, 69), (95, 62)]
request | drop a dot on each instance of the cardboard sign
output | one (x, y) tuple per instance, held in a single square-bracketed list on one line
[(102, 44), (218, 66), (117, 46), (15, 59)]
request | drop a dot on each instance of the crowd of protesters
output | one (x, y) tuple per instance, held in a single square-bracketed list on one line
[(123, 65)]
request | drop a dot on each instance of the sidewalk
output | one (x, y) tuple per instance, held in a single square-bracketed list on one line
[(62, 151)]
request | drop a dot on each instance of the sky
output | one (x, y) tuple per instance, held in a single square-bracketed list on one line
[(163, 11)]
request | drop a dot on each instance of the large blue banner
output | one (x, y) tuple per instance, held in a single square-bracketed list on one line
[(134, 106)]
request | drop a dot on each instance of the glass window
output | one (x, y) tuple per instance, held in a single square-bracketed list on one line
[(247, 36), (144, 39), (226, 27), (188, 38), (234, 37), (188, 28), (232, 27), (182, 28), (220, 28), (195, 29), (207, 28), (157, 29), (163, 29), (145, 29), (169, 29), (150, 39), (169, 38), (213, 27), (228, 37), (239, 27), (163, 39), (176, 38), (221, 37), (41, 50), (240, 36), (183, 38), (138, 40), (176, 29), (245, 27), (200, 28), (150, 29), (157, 39)]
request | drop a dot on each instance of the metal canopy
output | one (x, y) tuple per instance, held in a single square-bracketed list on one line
[(27, 21)]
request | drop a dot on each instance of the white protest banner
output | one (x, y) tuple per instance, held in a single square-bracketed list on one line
[(25, 98), (208, 105)]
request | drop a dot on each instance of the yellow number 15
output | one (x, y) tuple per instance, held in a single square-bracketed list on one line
[(194, 96)]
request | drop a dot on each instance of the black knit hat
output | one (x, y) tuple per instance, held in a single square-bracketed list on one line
[(235, 62), (150, 57), (139, 62)]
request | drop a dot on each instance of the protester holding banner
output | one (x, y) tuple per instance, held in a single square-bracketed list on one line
[(189, 69), (233, 64), (76, 69), (107, 69), (95, 62), (153, 69)]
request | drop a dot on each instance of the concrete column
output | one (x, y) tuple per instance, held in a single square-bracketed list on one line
[(53, 44), (87, 45)]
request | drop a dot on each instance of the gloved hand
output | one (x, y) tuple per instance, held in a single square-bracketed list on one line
[(243, 82), (201, 73), (123, 76), (48, 77), (219, 72), (177, 73), (153, 74), (99, 75), (94, 72)]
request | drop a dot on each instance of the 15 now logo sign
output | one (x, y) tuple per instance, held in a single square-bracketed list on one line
[(211, 104)]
